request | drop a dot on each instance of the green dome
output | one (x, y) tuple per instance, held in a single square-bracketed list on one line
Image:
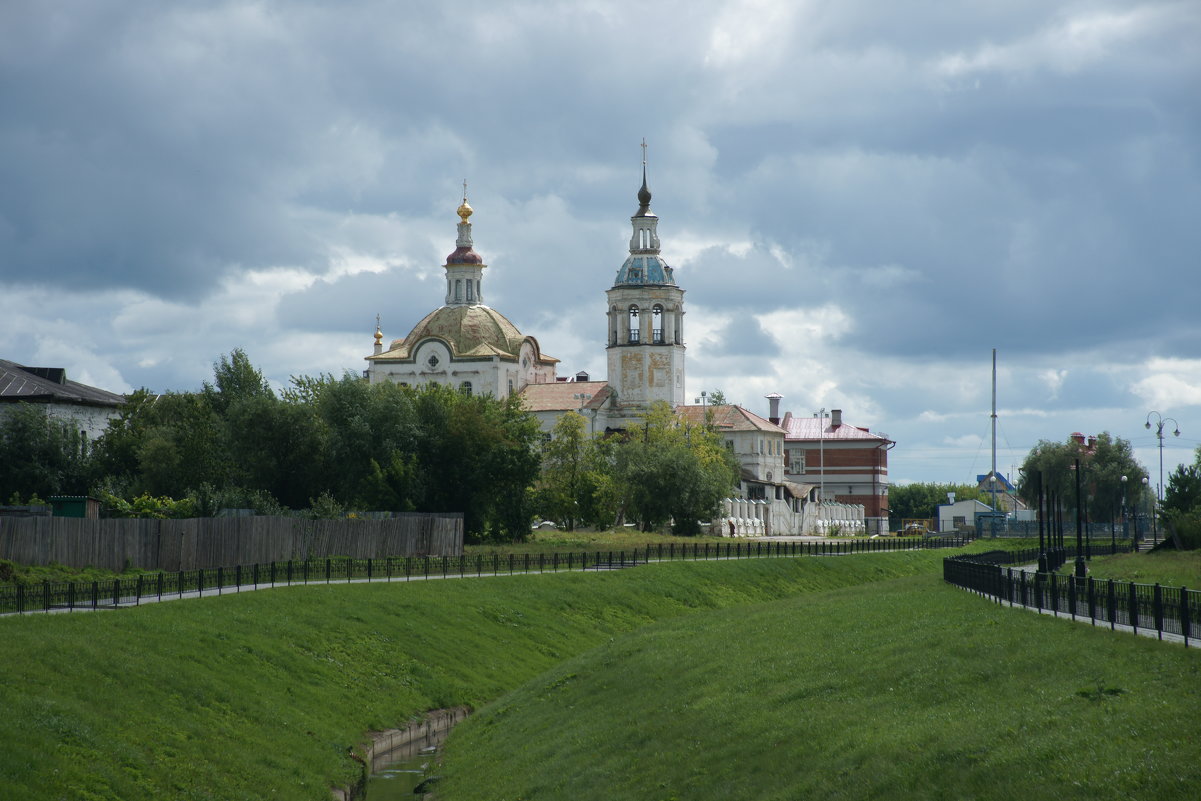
[(469, 330)]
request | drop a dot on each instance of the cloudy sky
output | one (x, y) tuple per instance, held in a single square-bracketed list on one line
[(861, 199)]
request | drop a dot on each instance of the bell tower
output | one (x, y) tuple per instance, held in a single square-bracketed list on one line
[(646, 319)]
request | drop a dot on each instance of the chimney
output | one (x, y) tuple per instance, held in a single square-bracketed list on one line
[(835, 418), (1078, 438), (773, 405), (951, 498)]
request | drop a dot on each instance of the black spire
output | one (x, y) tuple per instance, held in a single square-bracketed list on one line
[(644, 194)]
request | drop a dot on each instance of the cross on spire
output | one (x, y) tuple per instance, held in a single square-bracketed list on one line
[(464, 190), (644, 153)]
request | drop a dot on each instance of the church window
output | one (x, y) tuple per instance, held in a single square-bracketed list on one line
[(657, 324), (432, 361), (635, 331), (510, 386), (470, 290), (458, 289), (465, 388)]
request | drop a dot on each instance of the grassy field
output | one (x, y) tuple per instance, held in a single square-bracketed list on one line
[(260, 695), (906, 689)]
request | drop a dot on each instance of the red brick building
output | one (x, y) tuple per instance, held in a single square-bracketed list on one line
[(848, 463)]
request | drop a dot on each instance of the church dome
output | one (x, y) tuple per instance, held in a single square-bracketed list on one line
[(469, 330), (464, 255)]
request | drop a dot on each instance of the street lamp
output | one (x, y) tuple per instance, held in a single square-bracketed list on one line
[(821, 449), (1154, 530), (1042, 543), (1081, 568), (1113, 543), (1161, 421)]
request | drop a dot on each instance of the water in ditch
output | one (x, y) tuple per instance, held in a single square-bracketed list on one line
[(396, 780)]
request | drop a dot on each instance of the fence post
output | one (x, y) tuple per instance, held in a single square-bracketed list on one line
[(1184, 621), (1132, 607), (1092, 602), (95, 595), (1113, 605), (71, 597), (1055, 594), (137, 598), (116, 593), (1157, 600), (1072, 595), (45, 595), (220, 579)]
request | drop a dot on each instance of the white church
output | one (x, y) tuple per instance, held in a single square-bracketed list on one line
[(468, 345)]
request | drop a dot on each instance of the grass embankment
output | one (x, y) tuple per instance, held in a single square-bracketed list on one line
[(260, 695), (907, 689), (1169, 568)]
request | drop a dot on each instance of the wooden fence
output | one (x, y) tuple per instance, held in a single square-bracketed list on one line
[(115, 544)]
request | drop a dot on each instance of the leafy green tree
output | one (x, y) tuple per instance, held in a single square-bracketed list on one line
[(673, 472), (182, 447), (1183, 493), (40, 454), (276, 447), (577, 485), (1101, 482), (235, 378)]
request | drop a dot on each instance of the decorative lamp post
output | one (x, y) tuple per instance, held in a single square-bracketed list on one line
[(1042, 543), (1146, 488), (1113, 545), (1081, 568), (1161, 421), (992, 485)]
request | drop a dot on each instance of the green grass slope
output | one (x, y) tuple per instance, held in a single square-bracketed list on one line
[(260, 695), (907, 689)]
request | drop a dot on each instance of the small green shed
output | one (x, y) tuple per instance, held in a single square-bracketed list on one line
[(75, 506)]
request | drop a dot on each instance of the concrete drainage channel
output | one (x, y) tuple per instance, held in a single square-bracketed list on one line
[(408, 749)]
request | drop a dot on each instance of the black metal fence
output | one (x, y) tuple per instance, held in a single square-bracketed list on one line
[(130, 591), (1164, 610)]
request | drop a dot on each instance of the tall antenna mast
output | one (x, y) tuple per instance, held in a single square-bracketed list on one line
[(992, 477)]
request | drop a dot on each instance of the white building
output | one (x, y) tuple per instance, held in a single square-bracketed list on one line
[(463, 343), (86, 408)]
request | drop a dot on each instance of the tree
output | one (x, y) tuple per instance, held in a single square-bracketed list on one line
[(1101, 483), (673, 472), (41, 455), (235, 378), (565, 492), (717, 398), (1183, 493)]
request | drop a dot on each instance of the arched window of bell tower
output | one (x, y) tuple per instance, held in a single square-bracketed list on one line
[(657, 324), (470, 290), (635, 331), (458, 289)]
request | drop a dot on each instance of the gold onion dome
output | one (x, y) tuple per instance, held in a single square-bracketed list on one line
[(465, 210)]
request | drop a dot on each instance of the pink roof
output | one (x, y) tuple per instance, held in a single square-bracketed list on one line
[(560, 396), (810, 428)]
